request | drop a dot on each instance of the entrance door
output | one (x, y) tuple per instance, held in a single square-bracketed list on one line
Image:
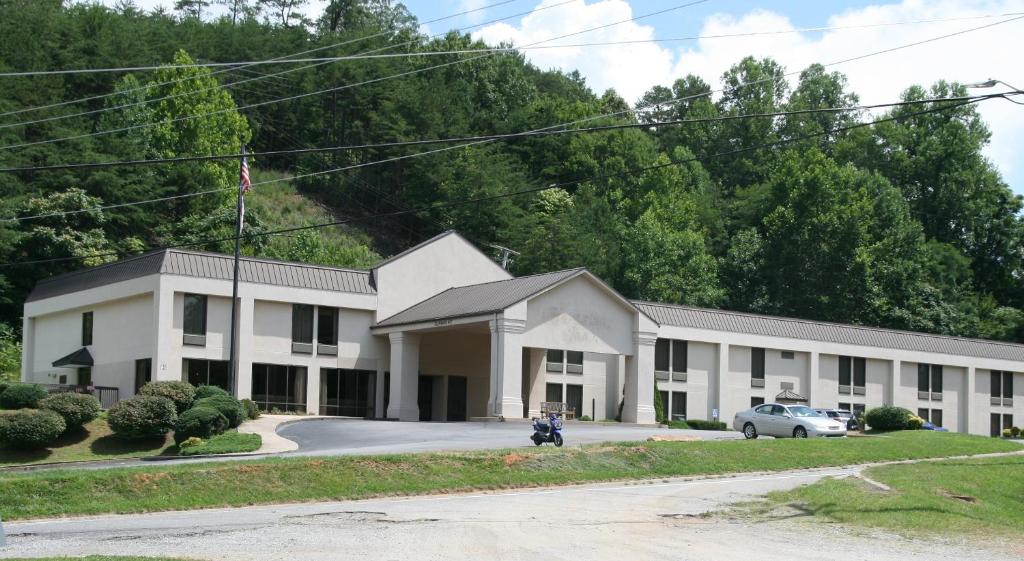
[(456, 398), (574, 398), (425, 397)]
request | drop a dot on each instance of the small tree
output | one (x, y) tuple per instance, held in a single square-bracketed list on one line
[(659, 406)]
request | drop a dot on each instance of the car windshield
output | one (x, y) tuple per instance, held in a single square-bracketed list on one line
[(803, 411)]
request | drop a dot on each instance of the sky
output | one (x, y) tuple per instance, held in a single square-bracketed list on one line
[(633, 69)]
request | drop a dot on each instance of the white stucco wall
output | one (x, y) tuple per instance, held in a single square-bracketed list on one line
[(579, 315), (446, 262)]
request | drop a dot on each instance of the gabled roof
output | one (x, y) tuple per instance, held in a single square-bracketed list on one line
[(81, 357), (771, 326), (203, 264), (789, 395), (479, 299)]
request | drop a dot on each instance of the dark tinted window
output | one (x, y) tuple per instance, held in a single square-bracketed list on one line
[(859, 372), (661, 350), (86, 328), (757, 363), (996, 378), (553, 393), (679, 356), (555, 355), (195, 314), (936, 378), (937, 417), (143, 372), (755, 401), (844, 371), (574, 357), (302, 323), (1008, 384), (922, 377), (327, 326)]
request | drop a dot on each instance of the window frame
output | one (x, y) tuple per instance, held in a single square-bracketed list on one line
[(572, 367), (757, 367), (330, 346), (303, 328), (87, 328), (146, 371), (191, 335)]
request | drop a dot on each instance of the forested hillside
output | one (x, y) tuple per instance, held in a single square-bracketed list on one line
[(901, 224)]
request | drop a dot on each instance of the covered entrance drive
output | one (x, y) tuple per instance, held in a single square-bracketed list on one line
[(481, 351)]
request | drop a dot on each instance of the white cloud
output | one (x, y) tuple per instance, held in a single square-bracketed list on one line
[(632, 70), (478, 15)]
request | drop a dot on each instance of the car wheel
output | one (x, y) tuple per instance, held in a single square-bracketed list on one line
[(749, 432), (799, 432)]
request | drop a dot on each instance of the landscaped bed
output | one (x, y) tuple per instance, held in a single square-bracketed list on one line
[(955, 497), (95, 441), (154, 488)]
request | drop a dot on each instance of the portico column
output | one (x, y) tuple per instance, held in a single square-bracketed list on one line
[(506, 368), (894, 380), (721, 381), (166, 362), (638, 401), (536, 389), (405, 365), (28, 347), (968, 424), (246, 311)]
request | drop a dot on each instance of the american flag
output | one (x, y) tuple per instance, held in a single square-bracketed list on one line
[(244, 176)]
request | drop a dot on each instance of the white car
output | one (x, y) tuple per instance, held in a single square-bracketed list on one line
[(786, 421)]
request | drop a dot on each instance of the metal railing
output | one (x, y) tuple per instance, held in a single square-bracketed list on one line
[(107, 395)]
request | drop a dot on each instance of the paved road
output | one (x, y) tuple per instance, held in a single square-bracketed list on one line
[(354, 436), (660, 520)]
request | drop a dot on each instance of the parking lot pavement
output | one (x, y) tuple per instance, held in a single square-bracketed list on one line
[(355, 436)]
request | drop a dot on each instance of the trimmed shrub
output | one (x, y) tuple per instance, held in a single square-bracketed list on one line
[(3, 386), (31, 429), (1007, 433), (209, 391), (1014, 432), (143, 416), (231, 408), (584, 418), (200, 422), (77, 409), (915, 423), (678, 425), (22, 396), (700, 424), (888, 417), (182, 394), (659, 406), (190, 441), (252, 411)]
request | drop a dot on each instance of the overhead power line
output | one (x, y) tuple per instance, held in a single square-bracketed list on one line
[(502, 136), (308, 51), (124, 69), (342, 87), (489, 198), (282, 59)]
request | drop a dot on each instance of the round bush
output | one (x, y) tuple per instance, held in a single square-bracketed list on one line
[(143, 416), (77, 409), (199, 422), (31, 429), (231, 408), (1014, 432), (888, 417), (252, 411), (181, 393), (22, 396), (915, 423), (209, 391)]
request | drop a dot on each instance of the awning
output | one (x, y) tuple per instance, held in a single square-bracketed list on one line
[(81, 357), (789, 395)]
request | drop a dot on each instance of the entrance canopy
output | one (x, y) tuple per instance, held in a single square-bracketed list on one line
[(80, 358)]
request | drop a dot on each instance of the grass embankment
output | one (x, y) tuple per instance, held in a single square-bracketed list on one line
[(955, 497), (124, 490), (231, 442), (94, 442), (95, 558)]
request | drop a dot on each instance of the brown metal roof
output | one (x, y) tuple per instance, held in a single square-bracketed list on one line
[(738, 322), (206, 265), (478, 299)]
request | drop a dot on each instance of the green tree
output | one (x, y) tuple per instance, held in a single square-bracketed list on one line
[(10, 354)]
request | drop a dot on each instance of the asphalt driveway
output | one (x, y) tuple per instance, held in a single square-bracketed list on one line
[(355, 436)]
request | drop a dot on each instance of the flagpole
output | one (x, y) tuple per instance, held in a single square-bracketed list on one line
[(234, 289)]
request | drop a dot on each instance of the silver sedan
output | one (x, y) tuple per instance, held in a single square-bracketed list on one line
[(786, 421)]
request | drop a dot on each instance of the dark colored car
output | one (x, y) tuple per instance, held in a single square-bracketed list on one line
[(842, 416)]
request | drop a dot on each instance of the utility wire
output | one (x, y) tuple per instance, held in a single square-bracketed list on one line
[(497, 49), (313, 50), (503, 136), (476, 200), (281, 59), (339, 88)]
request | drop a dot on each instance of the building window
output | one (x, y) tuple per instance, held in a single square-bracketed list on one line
[(574, 399), (845, 407), (852, 375), (143, 372), (755, 401), (327, 331), (859, 409), (788, 355), (573, 362), (1002, 388), (86, 329), (670, 357), (194, 323), (302, 328), (347, 393), (934, 416), (553, 393), (756, 367), (199, 372), (999, 422), (85, 376), (929, 381), (555, 359), (678, 408), (276, 387)]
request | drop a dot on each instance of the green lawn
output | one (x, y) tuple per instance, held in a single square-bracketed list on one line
[(95, 558), (228, 443), (154, 488), (982, 496), (94, 442)]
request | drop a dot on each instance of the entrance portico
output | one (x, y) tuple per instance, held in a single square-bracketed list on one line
[(515, 321)]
